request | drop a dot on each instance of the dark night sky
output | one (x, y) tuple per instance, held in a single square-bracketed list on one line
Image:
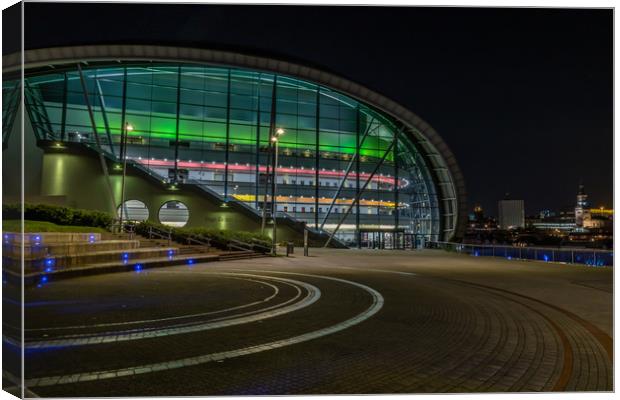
[(523, 97)]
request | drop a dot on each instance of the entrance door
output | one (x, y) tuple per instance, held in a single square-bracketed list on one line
[(382, 240)]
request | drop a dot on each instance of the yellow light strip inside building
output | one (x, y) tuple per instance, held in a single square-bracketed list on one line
[(310, 200)]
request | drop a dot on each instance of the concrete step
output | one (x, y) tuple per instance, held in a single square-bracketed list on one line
[(238, 255), (32, 251), (41, 277), (45, 238), (109, 267), (53, 263), (197, 249)]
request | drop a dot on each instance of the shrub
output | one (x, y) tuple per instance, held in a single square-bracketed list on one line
[(58, 215), (218, 237)]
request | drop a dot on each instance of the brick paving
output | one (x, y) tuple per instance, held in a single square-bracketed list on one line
[(379, 322)]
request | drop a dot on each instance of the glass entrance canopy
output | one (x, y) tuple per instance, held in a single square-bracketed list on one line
[(342, 164)]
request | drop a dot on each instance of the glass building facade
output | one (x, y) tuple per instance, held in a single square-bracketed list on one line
[(342, 165)]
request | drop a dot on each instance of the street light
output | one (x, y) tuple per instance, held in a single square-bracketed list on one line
[(274, 201), (127, 128)]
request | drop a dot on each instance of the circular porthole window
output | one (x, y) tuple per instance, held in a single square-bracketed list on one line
[(133, 210), (174, 213)]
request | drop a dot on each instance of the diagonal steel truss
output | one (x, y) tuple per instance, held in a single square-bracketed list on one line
[(361, 191), (351, 163), (104, 165)]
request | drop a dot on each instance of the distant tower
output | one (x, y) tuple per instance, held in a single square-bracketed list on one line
[(478, 213), (580, 208)]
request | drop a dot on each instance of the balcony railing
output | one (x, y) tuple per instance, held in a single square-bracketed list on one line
[(590, 257)]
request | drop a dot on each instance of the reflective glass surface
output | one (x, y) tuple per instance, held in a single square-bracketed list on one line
[(211, 126)]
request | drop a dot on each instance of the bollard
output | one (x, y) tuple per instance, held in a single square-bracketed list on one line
[(305, 242), (290, 249)]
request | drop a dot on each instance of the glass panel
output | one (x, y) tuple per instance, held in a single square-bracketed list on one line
[(320, 167)]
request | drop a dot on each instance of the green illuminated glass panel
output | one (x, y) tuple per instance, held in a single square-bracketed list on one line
[(156, 95)]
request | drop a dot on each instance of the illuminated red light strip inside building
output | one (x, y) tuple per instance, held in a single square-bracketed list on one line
[(251, 168)]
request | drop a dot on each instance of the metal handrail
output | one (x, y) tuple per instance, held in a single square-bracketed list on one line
[(524, 247), (571, 255), (193, 238), (246, 246), (162, 234), (125, 227)]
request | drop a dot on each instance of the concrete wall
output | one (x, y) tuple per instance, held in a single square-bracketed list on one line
[(77, 180), (11, 162)]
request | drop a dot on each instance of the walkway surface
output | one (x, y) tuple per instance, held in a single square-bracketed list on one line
[(340, 321)]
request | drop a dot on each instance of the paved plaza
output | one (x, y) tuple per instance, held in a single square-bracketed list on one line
[(340, 321)]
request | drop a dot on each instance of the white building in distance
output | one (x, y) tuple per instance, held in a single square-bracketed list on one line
[(511, 214)]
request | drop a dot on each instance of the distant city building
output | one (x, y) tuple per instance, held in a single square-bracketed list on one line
[(549, 225), (581, 207), (591, 218), (478, 213), (511, 214), (550, 220), (478, 222), (598, 218), (546, 214)]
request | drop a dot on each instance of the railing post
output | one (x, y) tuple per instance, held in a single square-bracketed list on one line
[(553, 255), (305, 242), (594, 253), (572, 256)]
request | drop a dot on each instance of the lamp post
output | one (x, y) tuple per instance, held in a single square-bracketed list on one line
[(127, 128), (274, 188)]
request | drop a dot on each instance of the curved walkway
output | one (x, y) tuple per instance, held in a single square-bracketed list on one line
[(342, 321)]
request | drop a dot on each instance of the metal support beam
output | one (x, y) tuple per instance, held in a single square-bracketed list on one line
[(316, 156), (272, 124), (357, 197), (176, 138), (258, 126), (63, 118), (105, 116), (227, 150), (358, 233), (11, 110), (123, 149), (38, 113), (396, 189), (104, 166)]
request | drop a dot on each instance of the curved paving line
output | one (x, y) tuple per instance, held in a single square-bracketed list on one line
[(377, 304), (313, 295), (276, 290), (567, 367), (604, 339)]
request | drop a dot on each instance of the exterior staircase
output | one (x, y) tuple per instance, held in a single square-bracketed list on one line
[(317, 236), (50, 255)]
